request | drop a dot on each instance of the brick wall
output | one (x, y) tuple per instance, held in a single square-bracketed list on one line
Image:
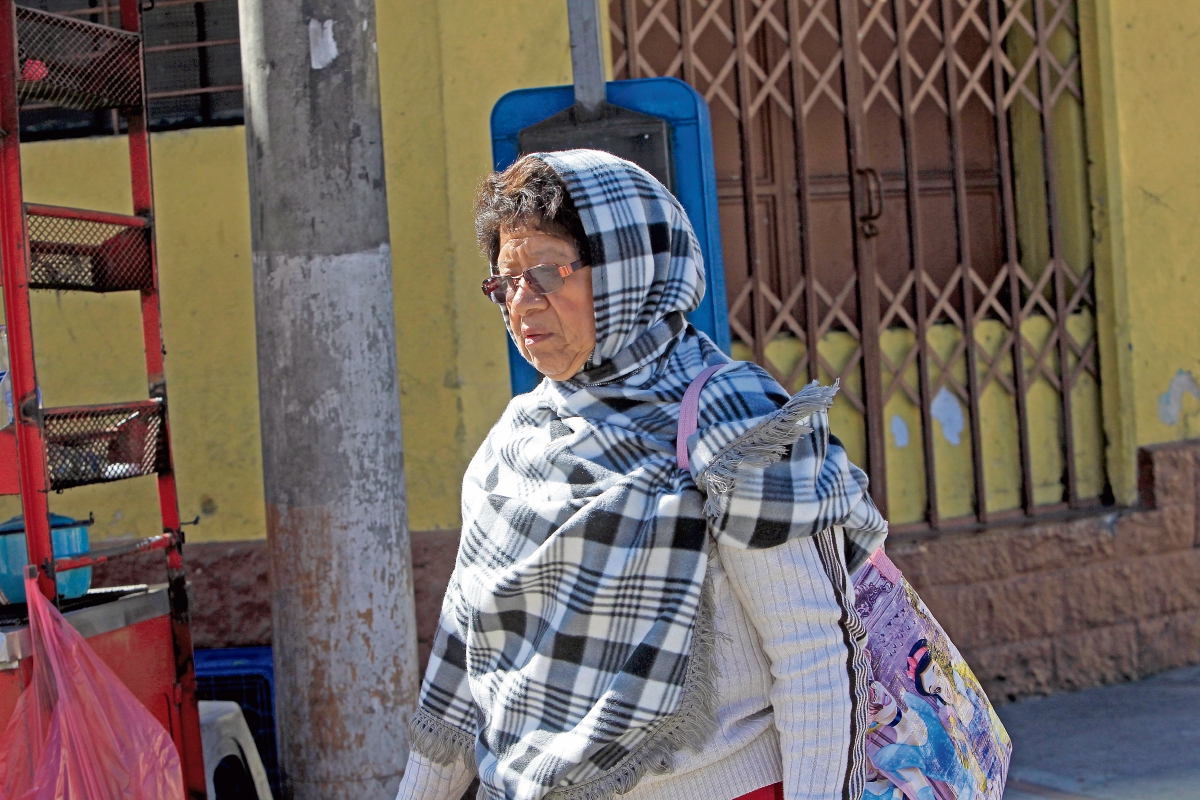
[(231, 593), (1054, 606), (1036, 608), (229, 589)]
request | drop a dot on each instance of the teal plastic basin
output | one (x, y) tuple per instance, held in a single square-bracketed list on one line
[(68, 537)]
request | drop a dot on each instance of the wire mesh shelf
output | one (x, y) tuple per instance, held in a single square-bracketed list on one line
[(86, 251), (98, 444), (75, 64)]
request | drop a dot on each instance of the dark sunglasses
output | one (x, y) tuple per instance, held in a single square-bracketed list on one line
[(541, 279)]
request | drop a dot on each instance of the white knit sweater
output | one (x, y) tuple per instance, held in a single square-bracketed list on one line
[(786, 684)]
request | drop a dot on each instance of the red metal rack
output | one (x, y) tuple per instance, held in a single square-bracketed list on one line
[(47, 58)]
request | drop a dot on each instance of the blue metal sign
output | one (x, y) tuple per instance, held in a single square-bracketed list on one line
[(695, 178)]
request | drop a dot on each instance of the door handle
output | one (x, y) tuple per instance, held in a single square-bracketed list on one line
[(874, 210)]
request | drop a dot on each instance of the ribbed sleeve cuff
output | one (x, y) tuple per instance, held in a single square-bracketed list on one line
[(424, 780)]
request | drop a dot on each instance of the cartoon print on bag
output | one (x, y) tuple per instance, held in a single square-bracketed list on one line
[(958, 701), (933, 735), (920, 752), (878, 787)]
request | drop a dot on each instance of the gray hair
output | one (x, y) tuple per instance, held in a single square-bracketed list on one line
[(527, 194)]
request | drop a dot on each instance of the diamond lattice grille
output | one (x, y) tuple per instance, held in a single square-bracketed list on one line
[(903, 207)]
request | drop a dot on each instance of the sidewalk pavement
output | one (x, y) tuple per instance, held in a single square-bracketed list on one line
[(1133, 741)]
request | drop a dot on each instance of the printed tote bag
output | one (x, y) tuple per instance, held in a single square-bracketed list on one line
[(933, 734)]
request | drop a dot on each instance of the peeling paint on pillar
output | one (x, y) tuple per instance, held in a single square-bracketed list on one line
[(344, 628), (340, 574)]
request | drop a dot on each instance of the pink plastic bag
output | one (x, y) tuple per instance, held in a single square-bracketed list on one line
[(77, 732)]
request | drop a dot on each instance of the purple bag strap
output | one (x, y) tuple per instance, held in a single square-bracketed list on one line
[(689, 414)]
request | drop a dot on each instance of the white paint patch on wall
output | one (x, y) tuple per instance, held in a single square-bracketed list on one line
[(946, 409), (1170, 402), (899, 431), (322, 49)]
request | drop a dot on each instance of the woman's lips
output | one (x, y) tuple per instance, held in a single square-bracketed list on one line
[(533, 337)]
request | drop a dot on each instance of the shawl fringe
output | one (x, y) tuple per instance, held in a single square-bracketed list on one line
[(764, 444), (438, 740), (691, 726)]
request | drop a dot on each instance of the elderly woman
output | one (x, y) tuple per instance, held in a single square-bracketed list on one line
[(616, 624)]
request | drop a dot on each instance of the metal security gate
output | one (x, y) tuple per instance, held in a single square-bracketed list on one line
[(917, 226)]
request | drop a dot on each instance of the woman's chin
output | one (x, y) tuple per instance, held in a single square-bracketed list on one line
[(553, 366), (544, 367), (553, 373)]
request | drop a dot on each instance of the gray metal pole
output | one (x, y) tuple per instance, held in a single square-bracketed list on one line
[(333, 468), (587, 53)]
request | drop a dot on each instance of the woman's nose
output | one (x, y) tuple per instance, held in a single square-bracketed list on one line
[(525, 299)]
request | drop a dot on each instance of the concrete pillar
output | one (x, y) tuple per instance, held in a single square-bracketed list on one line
[(341, 574)]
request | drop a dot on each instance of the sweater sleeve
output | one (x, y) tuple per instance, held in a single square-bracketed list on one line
[(798, 598), (443, 727), (425, 780)]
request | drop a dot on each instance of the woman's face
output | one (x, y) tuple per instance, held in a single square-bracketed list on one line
[(880, 703), (557, 331), (934, 682)]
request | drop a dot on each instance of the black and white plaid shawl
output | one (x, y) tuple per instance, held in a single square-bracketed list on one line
[(574, 651)]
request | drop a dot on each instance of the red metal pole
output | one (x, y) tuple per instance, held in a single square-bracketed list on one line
[(64, 212), (187, 739), (31, 458), (95, 558)]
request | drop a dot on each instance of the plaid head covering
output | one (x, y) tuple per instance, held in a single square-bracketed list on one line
[(574, 651)]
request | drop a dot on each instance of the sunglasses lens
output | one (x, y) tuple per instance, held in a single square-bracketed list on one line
[(544, 279), (496, 288)]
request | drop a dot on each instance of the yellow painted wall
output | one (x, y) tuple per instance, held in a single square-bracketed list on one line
[(952, 448), (89, 347), (444, 65), (1142, 103), (1158, 99)]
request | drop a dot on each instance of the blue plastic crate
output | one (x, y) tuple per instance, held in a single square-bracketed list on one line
[(245, 675)]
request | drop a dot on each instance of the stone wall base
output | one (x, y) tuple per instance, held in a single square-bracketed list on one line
[(1035, 608), (230, 589), (1053, 606)]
